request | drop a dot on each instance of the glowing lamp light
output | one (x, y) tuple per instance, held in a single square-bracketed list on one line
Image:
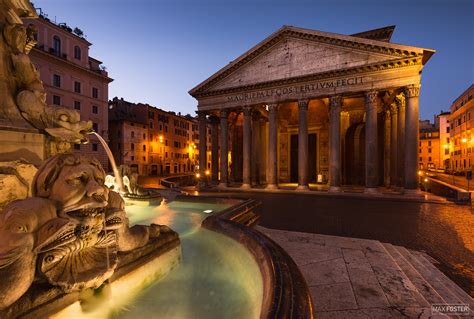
[(426, 179), (207, 172), (198, 175), (464, 140), (207, 211), (420, 173), (446, 145)]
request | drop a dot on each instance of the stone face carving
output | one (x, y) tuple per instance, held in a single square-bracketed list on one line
[(76, 184), (70, 232), (23, 95)]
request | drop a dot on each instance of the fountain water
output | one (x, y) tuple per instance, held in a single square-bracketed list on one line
[(118, 177)]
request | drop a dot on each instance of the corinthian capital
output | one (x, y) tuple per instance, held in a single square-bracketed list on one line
[(412, 90), (303, 104), (371, 97), (400, 99), (272, 107), (247, 110), (335, 100), (393, 108), (223, 114)]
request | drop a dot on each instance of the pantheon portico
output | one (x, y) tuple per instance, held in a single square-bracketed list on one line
[(306, 106)]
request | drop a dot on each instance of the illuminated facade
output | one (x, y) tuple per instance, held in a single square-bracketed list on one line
[(72, 78), (462, 131), (429, 147), (305, 106), (151, 141)]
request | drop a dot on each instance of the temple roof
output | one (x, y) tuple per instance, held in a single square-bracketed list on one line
[(373, 42)]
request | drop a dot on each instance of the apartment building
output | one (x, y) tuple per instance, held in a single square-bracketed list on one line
[(72, 78), (462, 131)]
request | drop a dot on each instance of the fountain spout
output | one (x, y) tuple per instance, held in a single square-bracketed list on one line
[(118, 176)]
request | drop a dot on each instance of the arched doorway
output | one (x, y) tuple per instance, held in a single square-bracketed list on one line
[(354, 155)]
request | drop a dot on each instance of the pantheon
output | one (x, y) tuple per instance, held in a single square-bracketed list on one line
[(305, 106)]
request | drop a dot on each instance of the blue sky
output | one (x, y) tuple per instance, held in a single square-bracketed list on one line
[(158, 50)]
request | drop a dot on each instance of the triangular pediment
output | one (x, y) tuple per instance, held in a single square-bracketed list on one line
[(296, 58), (293, 53)]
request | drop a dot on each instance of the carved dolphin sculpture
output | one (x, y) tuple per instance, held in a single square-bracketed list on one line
[(26, 228)]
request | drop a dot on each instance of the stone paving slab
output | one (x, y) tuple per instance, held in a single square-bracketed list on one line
[(356, 278)]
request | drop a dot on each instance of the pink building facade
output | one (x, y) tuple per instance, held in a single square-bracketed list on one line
[(73, 79)]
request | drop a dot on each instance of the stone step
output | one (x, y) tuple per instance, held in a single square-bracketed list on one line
[(424, 288), (397, 287), (455, 289), (429, 275)]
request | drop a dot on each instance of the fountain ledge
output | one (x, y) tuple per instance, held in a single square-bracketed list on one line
[(286, 294), (136, 269)]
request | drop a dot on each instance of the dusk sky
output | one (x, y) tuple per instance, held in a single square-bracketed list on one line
[(156, 51)]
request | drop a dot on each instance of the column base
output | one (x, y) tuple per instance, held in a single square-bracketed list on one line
[(271, 187), (302, 188), (371, 190), (222, 185), (334, 189), (245, 186)]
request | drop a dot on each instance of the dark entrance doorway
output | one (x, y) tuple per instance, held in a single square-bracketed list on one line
[(154, 170), (354, 155), (311, 158)]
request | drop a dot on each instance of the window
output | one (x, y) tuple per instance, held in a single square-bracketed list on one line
[(429, 150), (77, 87), (421, 159), (94, 147), (77, 147), (95, 109), (56, 80), (144, 136), (429, 143), (95, 93), (56, 100), (132, 157), (132, 147), (132, 134), (95, 127), (144, 147), (77, 53), (57, 45), (144, 158), (77, 105)]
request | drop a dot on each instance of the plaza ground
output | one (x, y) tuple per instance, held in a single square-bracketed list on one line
[(442, 230)]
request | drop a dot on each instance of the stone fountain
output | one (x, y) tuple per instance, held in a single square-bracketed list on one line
[(64, 236)]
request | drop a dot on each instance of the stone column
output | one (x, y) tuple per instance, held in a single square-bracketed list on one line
[(303, 145), (394, 144), (272, 146), (202, 147), (214, 150), (401, 139), (335, 105), (255, 145), (371, 173), (224, 149), (412, 137), (386, 150), (246, 148)]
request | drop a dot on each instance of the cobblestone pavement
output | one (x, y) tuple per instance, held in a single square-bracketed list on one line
[(444, 231)]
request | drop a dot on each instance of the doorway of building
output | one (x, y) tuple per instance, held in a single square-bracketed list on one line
[(354, 155), (312, 156), (154, 170)]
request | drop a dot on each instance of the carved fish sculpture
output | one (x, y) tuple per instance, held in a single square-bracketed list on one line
[(27, 227)]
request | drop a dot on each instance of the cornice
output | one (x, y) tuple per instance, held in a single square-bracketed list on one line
[(288, 32), (378, 66), (69, 63)]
